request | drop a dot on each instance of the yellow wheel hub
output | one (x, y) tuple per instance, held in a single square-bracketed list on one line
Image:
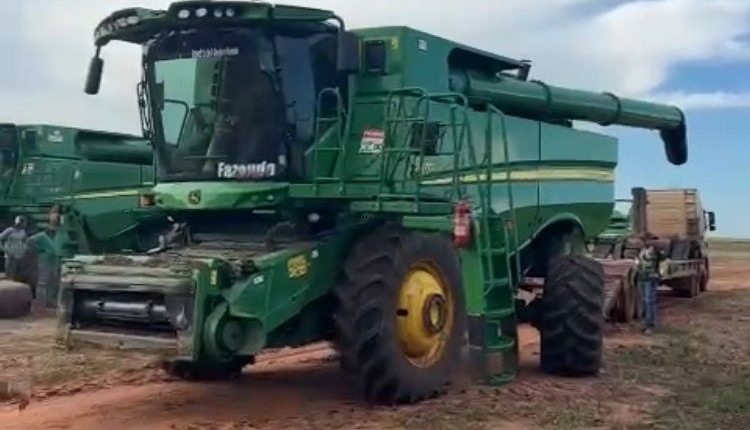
[(424, 317)]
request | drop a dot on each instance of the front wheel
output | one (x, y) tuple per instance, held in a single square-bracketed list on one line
[(400, 319), (572, 320)]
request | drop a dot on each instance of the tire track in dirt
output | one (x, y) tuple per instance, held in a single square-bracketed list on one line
[(298, 388), (284, 384)]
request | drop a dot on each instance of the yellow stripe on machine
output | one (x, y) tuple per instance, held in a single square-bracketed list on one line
[(104, 194), (549, 174)]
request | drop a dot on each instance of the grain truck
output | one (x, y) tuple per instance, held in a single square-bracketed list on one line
[(384, 189), (675, 221)]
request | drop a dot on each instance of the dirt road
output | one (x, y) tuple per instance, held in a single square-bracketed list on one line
[(302, 389)]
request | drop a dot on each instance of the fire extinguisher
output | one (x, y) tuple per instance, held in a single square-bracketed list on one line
[(461, 224)]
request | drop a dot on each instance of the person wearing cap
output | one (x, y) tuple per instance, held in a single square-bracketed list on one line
[(15, 244)]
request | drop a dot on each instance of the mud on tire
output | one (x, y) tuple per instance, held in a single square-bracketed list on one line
[(371, 354), (572, 320)]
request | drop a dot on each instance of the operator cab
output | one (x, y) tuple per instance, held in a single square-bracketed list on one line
[(239, 103), (231, 96)]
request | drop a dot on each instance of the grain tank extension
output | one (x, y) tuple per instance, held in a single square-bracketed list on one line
[(381, 188), (538, 100)]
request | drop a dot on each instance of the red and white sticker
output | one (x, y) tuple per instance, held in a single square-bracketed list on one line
[(372, 141)]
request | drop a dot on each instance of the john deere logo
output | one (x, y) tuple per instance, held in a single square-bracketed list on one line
[(194, 197)]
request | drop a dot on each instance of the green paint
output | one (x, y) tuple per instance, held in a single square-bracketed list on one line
[(403, 139), (96, 177)]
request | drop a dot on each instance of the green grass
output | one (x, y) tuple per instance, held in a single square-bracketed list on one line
[(704, 368)]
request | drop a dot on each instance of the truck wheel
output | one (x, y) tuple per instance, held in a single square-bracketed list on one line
[(572, 322), (401, 318), (705, 276), (15, 299), (686, 287), (636, 295), (625, 305)]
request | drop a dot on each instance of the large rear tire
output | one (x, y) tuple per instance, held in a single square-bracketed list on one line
[(572, 320), (401, 317)]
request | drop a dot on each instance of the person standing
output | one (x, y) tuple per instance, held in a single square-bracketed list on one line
[(648, 278), (15, 246), (48, 257)]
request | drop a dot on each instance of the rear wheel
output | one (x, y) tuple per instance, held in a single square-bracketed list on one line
[(400, 320), (705, 276), (688, 287), (625, 306), (572, 322)]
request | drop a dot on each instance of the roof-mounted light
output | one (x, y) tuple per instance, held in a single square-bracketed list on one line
[(134, 20), (230, 12), (201, 12), (218, 12), (183, 14)]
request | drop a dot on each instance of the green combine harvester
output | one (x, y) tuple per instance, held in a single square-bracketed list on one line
[(95, 178), (90, 181), (382, 188)]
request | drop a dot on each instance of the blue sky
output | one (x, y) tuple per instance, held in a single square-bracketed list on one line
[(694, 53), (719, 146)]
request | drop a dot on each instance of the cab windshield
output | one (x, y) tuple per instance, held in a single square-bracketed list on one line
[(237, 104)]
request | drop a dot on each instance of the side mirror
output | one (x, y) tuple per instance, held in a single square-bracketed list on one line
[(94, 78), (347, 58), (711, 221)]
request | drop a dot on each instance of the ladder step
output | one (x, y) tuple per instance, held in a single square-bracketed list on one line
[(499, 314), (493, 251), (401, 151), (405, 120), (501, 379), (506, 344), (495, 283)]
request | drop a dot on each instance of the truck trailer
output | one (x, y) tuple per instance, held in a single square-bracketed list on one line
[(676, 223)]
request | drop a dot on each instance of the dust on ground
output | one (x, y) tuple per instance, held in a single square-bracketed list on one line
[(693, 374)]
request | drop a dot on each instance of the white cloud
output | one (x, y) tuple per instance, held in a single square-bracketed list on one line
[(629, 47), (714, 100)]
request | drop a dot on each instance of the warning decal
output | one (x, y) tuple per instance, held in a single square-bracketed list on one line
[(372, 141)]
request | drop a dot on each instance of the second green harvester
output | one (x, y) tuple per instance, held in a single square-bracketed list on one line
[(381, 188), (93, 177)]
